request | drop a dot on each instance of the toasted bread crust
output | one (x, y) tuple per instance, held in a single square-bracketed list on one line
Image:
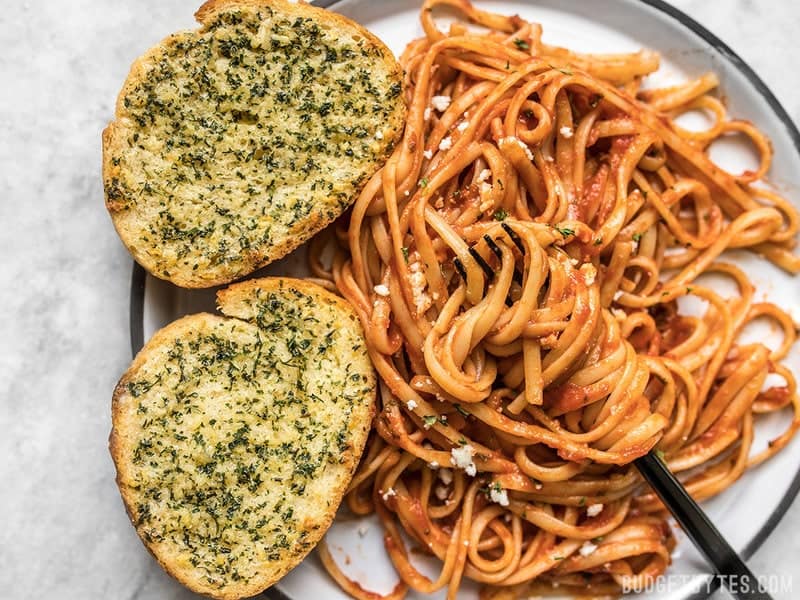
[(242, 303), (190, 264)]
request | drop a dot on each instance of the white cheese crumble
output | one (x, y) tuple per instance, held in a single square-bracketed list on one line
[(441, 492), (378, 135), (589, 273), (593, 510), (588, 548), (565, 131), (388, 494), (381, 290), (446, 143), (462, 127), (446, 476), (498, 495), (461, 457), (428, 154), (427, 114), (422, 301), (433, 465), (440, 103), (484, 175), (411, 404), (485, 187)]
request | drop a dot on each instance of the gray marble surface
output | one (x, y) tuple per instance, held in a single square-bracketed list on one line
[(65, 284)]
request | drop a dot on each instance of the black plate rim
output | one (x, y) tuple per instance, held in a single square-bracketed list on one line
[(139, 276)]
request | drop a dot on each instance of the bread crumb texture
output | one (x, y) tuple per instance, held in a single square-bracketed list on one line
[(235, 438), (235, 143)]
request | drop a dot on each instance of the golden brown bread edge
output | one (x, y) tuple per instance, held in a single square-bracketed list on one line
[(305, 230), (229, 297)]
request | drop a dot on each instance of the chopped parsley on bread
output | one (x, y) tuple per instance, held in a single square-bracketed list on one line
[(235, 143), (236, 436)]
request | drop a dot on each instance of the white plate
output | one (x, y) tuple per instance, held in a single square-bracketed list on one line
[(748, 511)]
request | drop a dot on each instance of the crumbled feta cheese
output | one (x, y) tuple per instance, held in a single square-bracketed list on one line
[(422, 300), (484, 175), (440, 103), (381, 290), (433, 465), (498, 495), (411, 404), (378, 135), (407, 193), (388, 494), (548, 158), (589, 273), (485, 187), (593, 510), (588, 548), (538, 486), (462, 126), (461, 457), (566, 132), (446, 143), (362, 531), (427, 114), (446, 476), (441, 492), (428, 154)]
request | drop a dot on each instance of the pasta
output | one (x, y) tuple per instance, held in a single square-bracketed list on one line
[(517, 266)]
